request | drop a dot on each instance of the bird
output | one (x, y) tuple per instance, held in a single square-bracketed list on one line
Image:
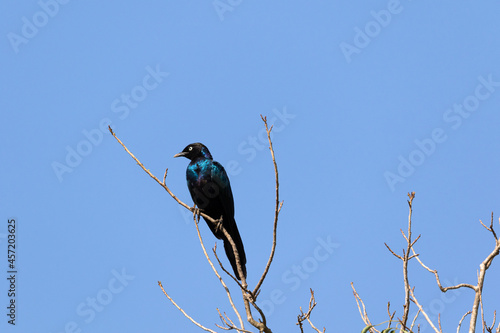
[(210, 190)]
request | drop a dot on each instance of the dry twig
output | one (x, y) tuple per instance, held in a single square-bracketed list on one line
[(183, 312), (409, 291), (307, 316), (248, 297), (492, 327), (391, 316), (405, 262), (362, 309), (463, 317), (461, 285), (217, 274), (406, 258), (478, 289), (414, 299), (229, 323), (480, 280), (276, 210), (414, 320)]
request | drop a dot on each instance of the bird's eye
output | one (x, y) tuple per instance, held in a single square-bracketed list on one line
[(190, 148)]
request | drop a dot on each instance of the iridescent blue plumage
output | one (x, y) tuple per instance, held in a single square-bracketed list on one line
[(210, 190)]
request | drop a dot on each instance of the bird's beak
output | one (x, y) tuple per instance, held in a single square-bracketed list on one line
[(182, 153)]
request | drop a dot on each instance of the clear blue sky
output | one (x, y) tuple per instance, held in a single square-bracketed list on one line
[(370, 100)]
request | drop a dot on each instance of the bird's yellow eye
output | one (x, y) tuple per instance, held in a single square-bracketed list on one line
[(190, 148)]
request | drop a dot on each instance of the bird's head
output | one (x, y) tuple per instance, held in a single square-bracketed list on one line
[(195, 150)]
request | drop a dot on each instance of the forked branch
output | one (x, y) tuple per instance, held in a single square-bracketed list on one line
[(405, 258), (307, 316), (277, 209), (478, 289), (249, 298)]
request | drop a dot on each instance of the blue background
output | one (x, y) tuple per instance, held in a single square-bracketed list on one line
[(355, 90)]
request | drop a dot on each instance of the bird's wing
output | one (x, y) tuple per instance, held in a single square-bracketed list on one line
[(220, 178), (225, 201)]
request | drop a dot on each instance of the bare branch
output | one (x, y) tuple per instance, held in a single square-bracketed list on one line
[(276, 210), (396, 255), (224, 269), (490, 228), (248, 297), (261, 326), (246, 292), (225, 320), (414, 320), (391, 316), (363, 314), (158, 181), (165, 177), (416, 239), (183, 312), (217, 274), (477, 288), (307, 316), (406, 258), (483, 322), (404, 235), (413, 256), (406, 306), (315, 328), (463, 317), (480, 282), (229, 323), (461, 285), (259, 310), (423, 312), (492, 327), (495, 252)]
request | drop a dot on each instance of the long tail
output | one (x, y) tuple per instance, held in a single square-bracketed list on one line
[(235, 235)]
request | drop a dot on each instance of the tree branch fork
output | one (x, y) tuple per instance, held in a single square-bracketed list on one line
[(410, 292), (249, 296)]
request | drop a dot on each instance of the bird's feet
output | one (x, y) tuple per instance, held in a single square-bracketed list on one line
[(218, 224), (196, 214)]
